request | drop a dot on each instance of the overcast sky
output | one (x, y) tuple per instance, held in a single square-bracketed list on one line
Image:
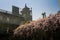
[(38, 6)]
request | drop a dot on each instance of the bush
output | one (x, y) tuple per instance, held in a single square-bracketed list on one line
[(44, 29)]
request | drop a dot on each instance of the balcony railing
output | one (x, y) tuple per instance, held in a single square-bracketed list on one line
[(1, 10)]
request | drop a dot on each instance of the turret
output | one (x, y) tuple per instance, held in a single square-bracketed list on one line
[(27, 13)]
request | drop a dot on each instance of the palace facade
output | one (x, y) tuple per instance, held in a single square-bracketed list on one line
[(11, 20)]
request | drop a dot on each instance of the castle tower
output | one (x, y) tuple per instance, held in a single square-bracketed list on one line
[(15, 10), (27, 13)]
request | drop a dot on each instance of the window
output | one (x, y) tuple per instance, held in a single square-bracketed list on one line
[(1, 18), (7, 19)]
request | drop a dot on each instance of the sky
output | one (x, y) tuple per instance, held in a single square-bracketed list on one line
[(38, 6)]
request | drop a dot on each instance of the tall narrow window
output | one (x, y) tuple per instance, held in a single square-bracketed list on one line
[(7, 19), (1, 18)]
